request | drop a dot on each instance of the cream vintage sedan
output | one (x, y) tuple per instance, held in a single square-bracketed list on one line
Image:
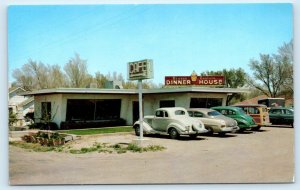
[(214, 121), (171, 121)]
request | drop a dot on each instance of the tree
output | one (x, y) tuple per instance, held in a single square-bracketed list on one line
[(100, 79), (57, 77), (32, 75), (234, 78), (23, 80), (77, 73), (273, 74), (285, 55), (12, 118), (130, 85)]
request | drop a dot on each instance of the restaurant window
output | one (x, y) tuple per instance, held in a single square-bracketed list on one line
[(167, 103), (100, 109), (205, 102)]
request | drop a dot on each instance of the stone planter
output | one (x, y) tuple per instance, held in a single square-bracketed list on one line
[(32, 139)]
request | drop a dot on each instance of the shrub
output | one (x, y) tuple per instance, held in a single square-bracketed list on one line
[(30, 115), (33, 126), (134, 148), (12, 118), (92, 124), (48, 126)]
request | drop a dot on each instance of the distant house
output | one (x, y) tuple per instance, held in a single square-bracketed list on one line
[(288, 102), (251, 100), (19, 104)]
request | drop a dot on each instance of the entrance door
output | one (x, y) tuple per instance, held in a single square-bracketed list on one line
[(135, 111)]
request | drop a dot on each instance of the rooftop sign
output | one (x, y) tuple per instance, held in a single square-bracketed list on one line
[(139, 70), (194, 80)]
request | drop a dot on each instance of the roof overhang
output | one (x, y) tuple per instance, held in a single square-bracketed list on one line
[(134, 91)]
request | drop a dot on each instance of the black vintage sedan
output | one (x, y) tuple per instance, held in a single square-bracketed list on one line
[(281, 116)]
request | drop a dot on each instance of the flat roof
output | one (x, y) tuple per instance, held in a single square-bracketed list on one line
[(132, 91)]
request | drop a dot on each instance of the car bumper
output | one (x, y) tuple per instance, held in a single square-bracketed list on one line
[(253, 126), (226, 129), (230, 129), (267, 124), (193, 132)]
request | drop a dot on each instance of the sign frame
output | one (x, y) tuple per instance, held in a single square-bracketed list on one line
[(139, 70)]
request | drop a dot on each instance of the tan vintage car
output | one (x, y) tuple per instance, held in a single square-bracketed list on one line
[(214, 121)]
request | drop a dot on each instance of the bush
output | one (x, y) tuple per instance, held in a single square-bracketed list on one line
[(92, 124), (30, 115), (12, 118), (44, 126), (33, 126)]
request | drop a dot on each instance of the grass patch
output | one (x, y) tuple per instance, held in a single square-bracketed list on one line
[(35, 147), (118, 148), (96, 147), (98, 131)]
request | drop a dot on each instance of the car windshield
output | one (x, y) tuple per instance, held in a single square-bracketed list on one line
[(179, 112), (213, 113), (241, 111)]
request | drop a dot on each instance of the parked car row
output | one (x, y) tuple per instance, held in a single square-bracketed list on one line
[(178, 121)]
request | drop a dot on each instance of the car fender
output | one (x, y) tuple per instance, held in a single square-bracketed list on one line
[(242, 121), (146, 127), (215, 124), (177, 126)]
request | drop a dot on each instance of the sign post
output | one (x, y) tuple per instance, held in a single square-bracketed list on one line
[(141, 108), (139, 70)]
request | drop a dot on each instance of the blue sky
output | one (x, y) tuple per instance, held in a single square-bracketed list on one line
[(179, 38)]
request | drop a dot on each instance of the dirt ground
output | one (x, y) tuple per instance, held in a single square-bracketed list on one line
[(252, 157)]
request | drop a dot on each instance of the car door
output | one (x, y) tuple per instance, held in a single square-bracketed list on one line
[(276, 116), (201, 116), (160, 121), (288, 116)]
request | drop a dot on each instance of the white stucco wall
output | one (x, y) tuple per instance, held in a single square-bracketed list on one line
[(150, 102), (56, 107)]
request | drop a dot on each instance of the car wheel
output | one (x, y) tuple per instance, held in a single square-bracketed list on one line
[(193, 136), (222, 134), (210, 131), (137, 130), (173, 133), (256, 128), (241, 130)]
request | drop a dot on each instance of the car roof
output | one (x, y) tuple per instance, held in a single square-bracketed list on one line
[(200, 109), (274, 108), (172, 108), (226, 107), (250, 105)]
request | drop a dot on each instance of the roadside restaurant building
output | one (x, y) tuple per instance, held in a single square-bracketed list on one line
[(94, 104)]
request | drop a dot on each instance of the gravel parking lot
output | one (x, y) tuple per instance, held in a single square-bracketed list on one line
[(251, 157)]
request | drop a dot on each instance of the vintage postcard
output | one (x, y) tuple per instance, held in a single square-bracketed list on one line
[(151, 94)]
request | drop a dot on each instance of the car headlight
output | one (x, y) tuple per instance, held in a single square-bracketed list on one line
[(187, 127), (201, 125)]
